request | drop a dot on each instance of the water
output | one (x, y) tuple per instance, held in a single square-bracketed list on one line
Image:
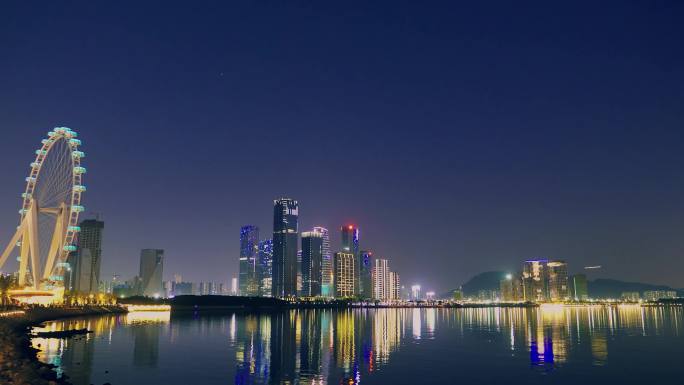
[(560, 345)]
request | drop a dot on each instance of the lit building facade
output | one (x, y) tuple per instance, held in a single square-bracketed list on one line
[(655, 295), (366, 274), (511, 288), (381, 280), (559, 289), (415, 293), (535, 280), (312, 259), (344, 275), (265, 267), (631, 296), (84, 264), (249, 254), (209, 288), (350, 244), (326, 263), (151, 270), (285, 233), (395, 286)]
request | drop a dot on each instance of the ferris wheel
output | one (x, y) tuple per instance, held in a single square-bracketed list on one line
[(51, 204)]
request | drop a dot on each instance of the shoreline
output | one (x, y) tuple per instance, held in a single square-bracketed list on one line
[(19, 364)]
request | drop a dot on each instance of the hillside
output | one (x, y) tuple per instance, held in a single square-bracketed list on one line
[(598, 288), (484, 281)]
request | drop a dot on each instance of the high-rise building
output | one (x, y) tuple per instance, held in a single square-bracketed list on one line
[(326, 264), (285, 216), (344, 275), (312, 260), (350, 244), (381, 280), (395, 286), (151, 270), (511, 288), (559, 290), (234, 286), (535, 280), (85, 262), (415, 293), (265, 267), (249, 253), (299, 272), (366, 274), (580, 291)]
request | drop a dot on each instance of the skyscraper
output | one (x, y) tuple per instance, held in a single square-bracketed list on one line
[(151, 270), (350, 244), (249, 252), (312, 258), (395, 286), (381, 280), (558, 280), (415, 293), (535, 280), (326, 264), (85, 262), (366, 274), (285, 216), (344, 275), (299, 272), (265, 267)]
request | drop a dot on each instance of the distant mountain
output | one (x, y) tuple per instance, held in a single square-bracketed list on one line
[(612, 288), (484, 281)]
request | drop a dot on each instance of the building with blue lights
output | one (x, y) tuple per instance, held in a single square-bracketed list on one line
[(249, 252), (365, 274), (265, 267)]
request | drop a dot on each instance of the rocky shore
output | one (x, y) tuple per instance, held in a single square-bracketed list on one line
[(18, 362)]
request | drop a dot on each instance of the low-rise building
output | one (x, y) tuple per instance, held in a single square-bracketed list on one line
[(655, 295), (630, 296)]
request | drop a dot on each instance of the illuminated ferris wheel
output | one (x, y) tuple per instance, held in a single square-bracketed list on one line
[(49, 212)]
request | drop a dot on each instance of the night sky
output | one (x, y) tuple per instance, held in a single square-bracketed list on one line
[(460, 138)]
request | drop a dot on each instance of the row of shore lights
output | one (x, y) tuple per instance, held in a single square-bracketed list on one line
[(75, 154)]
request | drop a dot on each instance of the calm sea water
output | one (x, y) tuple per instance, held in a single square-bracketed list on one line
[(560, 345)]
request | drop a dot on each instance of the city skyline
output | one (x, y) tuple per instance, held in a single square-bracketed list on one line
[(472, 142), (493, 192)]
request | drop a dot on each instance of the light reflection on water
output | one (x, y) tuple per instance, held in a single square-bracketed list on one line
[(346, 346)]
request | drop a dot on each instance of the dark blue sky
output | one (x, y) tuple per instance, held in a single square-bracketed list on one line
[(458, 137)]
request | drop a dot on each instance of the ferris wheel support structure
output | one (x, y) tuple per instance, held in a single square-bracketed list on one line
[(50, 211)]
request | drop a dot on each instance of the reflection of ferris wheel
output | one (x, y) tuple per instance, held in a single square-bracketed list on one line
[(49, 211)]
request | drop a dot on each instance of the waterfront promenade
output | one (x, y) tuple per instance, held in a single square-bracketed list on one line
[(18, 363)]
